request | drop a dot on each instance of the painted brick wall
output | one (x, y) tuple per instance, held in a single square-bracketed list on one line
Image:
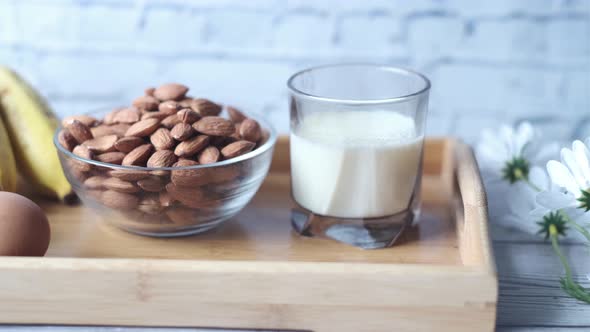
[(489, 61)]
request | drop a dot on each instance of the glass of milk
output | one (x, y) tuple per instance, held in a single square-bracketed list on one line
[(357, 133)]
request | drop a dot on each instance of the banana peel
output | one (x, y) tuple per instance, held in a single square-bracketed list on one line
[(8, 173), (31, 124)]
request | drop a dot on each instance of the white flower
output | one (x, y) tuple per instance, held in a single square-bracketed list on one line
[(525, 210), (511, 205), (509, 160), (572, 176), (497, 150)]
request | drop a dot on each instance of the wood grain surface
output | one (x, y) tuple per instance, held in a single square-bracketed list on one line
[(261, 232)]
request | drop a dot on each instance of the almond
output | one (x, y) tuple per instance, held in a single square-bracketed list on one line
[(235, 115), (226, 173), (129, 175), (219, 141), (182, 131), (66, 139), (93, 193), (119, 200), (115, 158), (109, 119), (162, 139), (186, 102), (94, 182), (210, 155), (162, 158), (88, 120), (146, 103), (191, 197), (104, 130), (170, 121), (143, 128), (250, 130), (82, 152), (165, 199), (79, 175), (205, 107), (127, 144), (149, 91), (236, 135), (101, 144), (191, 146), (215, 126), (171, 91), (127, 115), (263, 137), (187, 115), (183, 216), (188, 177), (155, 115), (119, 185), (120, 129), (237, 148), (152, 184), (169, 107), (80, 131), (150, 204), (138, 156)]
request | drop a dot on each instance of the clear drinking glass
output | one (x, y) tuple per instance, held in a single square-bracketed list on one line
[(357, 134)]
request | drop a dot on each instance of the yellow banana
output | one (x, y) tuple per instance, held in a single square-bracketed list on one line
[(8, 175), (31, 125)]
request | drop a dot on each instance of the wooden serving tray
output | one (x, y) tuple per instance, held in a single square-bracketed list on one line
[(255, 272)]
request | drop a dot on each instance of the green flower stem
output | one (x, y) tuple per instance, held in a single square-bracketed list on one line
[(575, 225), (553, 235), (568, 284), (519, 174), (535, 188)]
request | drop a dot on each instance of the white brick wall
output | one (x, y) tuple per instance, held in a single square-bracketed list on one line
[(489, 61)]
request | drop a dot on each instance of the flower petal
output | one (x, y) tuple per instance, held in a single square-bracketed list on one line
[(578, 215), (488, 157), (490, 138), (582, 156), (539, 178), (554, 200), (562, 177), (506, 135), (540, 154), (521, 199), (539, 212), (523, 135), (569, 159)]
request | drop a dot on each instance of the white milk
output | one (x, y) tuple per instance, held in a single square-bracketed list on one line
[(355, 164)]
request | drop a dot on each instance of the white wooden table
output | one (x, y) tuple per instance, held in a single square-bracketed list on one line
[(530, 297)]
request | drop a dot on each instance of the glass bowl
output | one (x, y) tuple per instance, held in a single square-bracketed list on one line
[(169, 201)]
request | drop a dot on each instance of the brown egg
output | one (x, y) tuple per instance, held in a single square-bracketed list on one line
[(24, 230)]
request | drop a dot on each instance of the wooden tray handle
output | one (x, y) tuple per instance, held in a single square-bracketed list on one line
[(468, 176), (471, 209)]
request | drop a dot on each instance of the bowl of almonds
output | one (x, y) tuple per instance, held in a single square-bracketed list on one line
[(168, 164)]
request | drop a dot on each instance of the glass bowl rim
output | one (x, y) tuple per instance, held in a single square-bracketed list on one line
[(376, 101), (270, 142)]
